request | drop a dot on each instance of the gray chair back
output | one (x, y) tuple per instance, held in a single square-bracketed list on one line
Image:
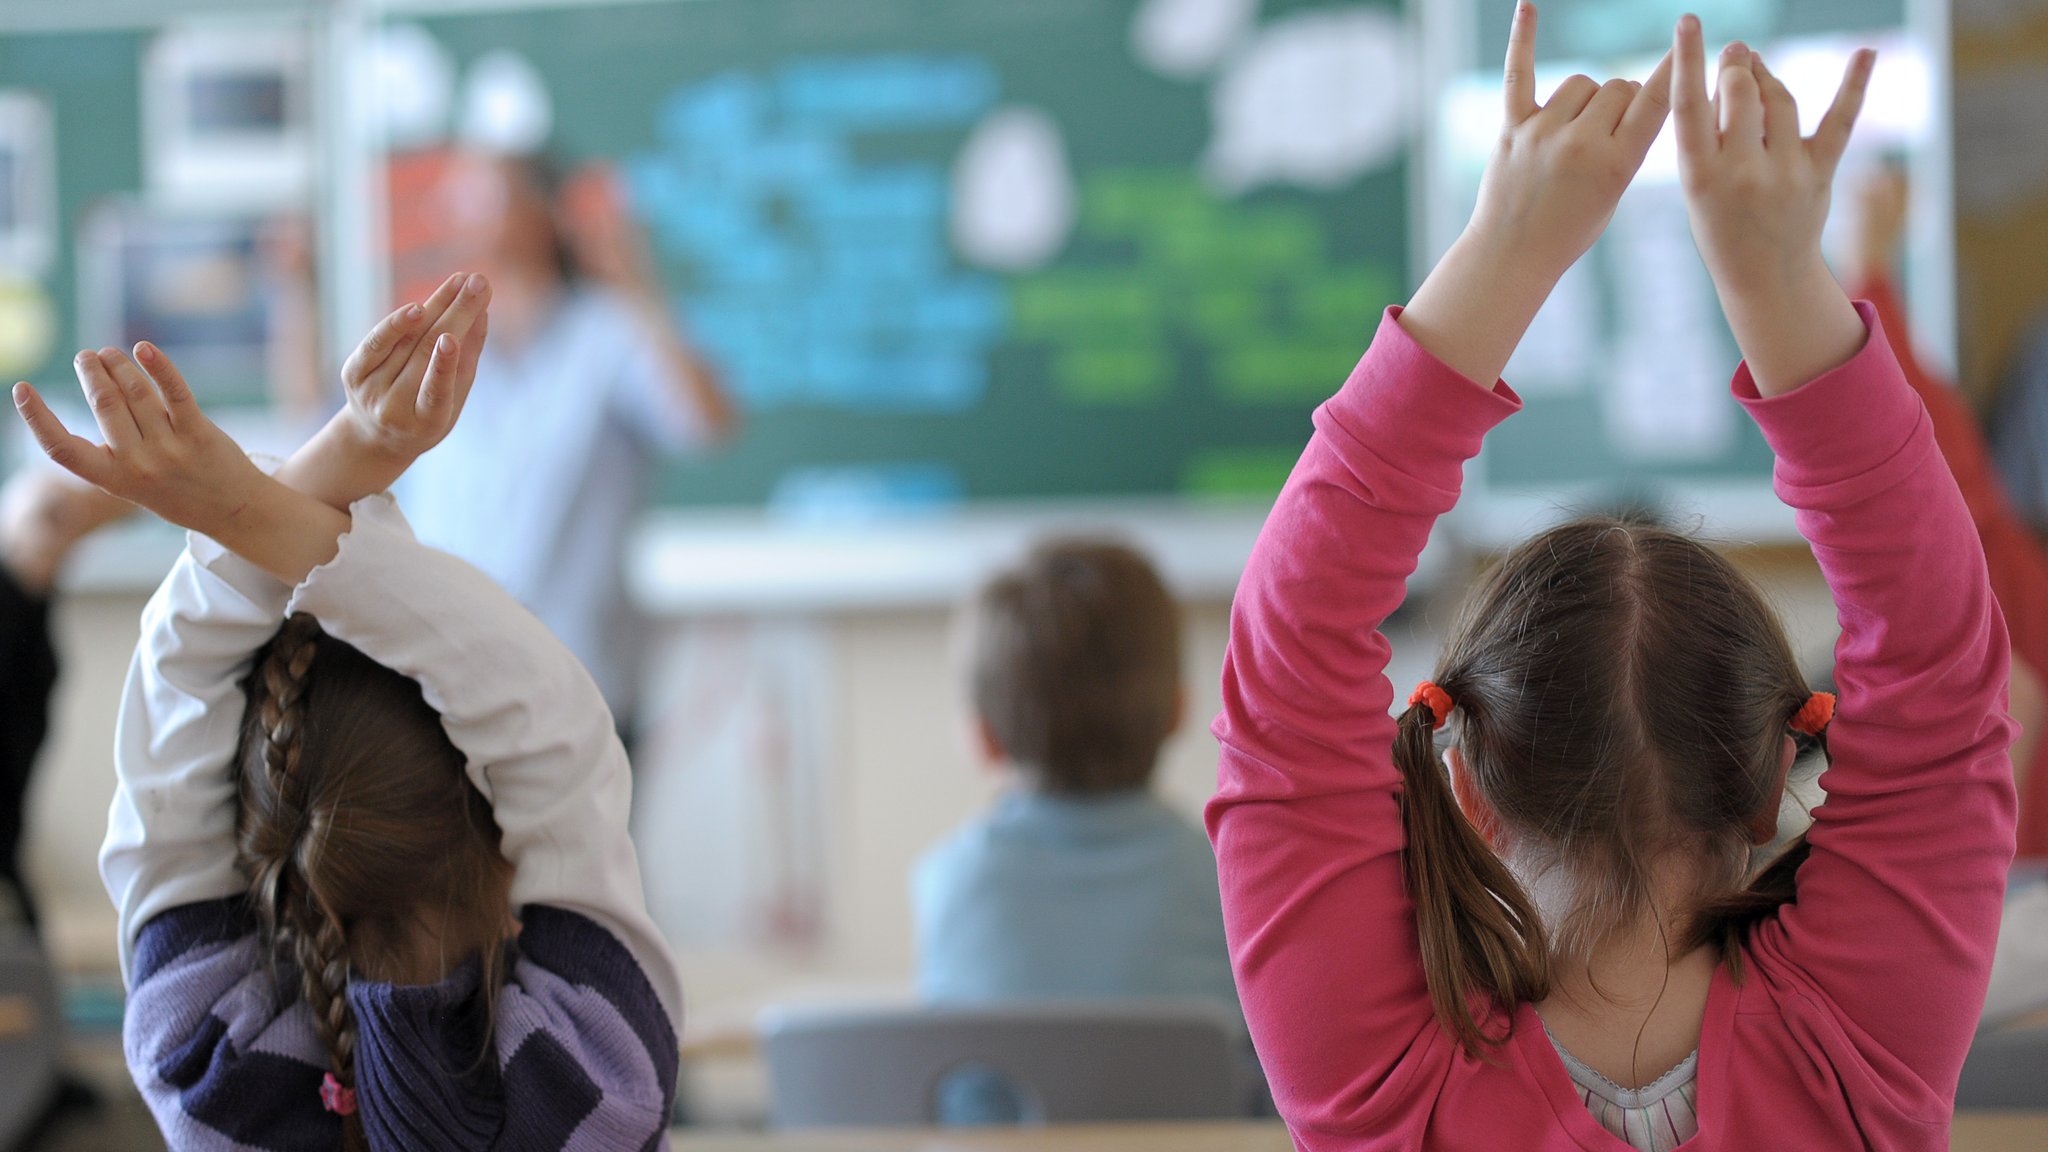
[(31, 1032), (2006, 1070), (1016, 1064)]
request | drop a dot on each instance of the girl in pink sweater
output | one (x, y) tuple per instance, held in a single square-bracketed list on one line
[(1565, 942)]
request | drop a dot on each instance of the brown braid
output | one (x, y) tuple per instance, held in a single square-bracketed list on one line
[(316, 942), (357, 826)]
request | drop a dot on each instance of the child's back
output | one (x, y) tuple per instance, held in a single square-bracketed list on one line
[(1080, 883), (1058, 897)]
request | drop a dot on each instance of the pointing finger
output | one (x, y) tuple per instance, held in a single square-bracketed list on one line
[(1519, 76), (1831, 139), (1689, 104)]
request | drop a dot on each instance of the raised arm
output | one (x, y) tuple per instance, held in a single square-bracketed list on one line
[(1898, 904), (170, 834), (538, 736), (1306, 821), (406, 384)]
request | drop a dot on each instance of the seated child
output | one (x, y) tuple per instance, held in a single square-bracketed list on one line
[(1080, 882), (369, 844)]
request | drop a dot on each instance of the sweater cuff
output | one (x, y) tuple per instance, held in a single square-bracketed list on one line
[(1400, 394), (371, 520), (1844, 422)]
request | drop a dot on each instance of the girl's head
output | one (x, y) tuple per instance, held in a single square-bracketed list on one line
[(1622, 700), (368, 851)]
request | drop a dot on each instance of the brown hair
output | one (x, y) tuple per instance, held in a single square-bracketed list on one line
[(1075, 659), (1622, 698), (361, 836)]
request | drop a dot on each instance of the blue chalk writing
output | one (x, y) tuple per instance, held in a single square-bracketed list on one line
[(815, 278)]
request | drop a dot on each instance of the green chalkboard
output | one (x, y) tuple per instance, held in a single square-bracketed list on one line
[(800, 167), (91, 83)]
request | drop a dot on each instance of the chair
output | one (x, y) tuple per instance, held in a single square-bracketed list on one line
[(2006, 1070), (1018, 1064), (31, 1026)]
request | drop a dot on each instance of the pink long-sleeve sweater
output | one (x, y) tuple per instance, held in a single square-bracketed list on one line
[(1859, 999)]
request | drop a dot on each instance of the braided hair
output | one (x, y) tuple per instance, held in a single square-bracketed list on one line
[(350, 793)]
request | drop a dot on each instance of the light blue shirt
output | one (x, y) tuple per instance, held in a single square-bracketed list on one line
[(541, 480), (1064, 897)]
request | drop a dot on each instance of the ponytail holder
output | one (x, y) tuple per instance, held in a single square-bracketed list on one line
[(1816, 714), (1438, 700), (337, 1099)]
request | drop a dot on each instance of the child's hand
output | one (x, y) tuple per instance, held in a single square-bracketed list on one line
[(1757, 193), (1560, 168), (1881, 203), (407, 384), (161, 451), (410, 377), (1549, 192)]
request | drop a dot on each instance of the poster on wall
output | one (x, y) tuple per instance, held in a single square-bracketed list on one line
[(28, 187), (729, 811), (227, 116), (199, 287), (28, 231)]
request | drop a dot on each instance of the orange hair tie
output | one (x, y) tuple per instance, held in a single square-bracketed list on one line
[(1438, 700), (1817, 713)]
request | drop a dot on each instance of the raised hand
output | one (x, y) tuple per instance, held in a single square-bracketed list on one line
[(1549, 190), (1881, 203), (162, 453), (1560, 168), (1757, 193), (160, 450), (406, 384), (409, 378)]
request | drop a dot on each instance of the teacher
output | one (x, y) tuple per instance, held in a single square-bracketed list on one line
[(585, 386)]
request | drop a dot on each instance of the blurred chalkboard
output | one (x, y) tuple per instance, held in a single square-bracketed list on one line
[(90, 84), (989, 249)]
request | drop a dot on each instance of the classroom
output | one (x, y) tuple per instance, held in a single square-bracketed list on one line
[(1024, 575)]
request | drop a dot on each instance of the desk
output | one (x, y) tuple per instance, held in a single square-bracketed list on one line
[(2000, 1132), (1212, 1137), (1974, 1132)]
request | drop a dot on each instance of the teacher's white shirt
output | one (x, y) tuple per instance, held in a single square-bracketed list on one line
[(540, 481)]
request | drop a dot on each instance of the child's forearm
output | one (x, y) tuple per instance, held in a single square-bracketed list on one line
[(1795, 329), (336, 469), (1476, 305), (281, 530)]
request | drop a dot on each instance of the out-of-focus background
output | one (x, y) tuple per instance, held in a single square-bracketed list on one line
[(966, 272)]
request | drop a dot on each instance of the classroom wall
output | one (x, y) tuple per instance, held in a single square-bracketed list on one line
[(2001, 166)]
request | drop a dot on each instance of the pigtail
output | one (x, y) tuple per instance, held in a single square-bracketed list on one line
[(291, 913), (321, 951), (1479, 931)]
